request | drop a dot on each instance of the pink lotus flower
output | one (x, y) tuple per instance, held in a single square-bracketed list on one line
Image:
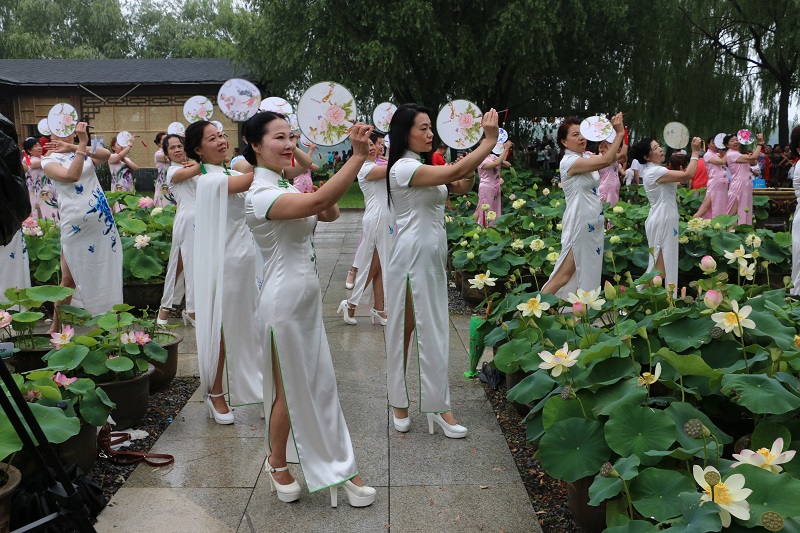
[(335, 115), (5, 319), (712, 299), (465, 120), (579, 309), (141, 337), (764, 458), (30, 222), (658, 281), (60, 339), (127, 338), (708, 265), (62, 380), (145, 202)]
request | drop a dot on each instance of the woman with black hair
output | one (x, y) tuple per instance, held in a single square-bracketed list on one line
[(122, 167), (580, 263), (794, 176), (181, 179), (715, 202), (224, 278), (378, 233), (740, 190), (44, 201), (301, 399), (417, 273), (661, 186), (163, 194)]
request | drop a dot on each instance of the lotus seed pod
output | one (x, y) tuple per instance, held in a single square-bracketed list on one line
[(716, 332), (606, 469), (772, 521), (566, 393), (693, 428), (712, 478)]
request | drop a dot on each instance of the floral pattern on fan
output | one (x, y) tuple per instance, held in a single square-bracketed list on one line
[(43, 128), (276, 104), (459, 124), (597, 128), (176, 128), (62, 120), (744, 136), (326, 120), (382, 116), (238, 99), (198, 108), (125, 138)]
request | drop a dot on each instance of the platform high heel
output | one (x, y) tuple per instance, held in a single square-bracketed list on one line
[(356, 496)]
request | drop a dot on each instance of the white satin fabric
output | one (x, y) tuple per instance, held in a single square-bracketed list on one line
[(14, 267), (581, 228), (796, 230), (175, 287), (90, 242), (418, 264), (661, 225), (290, 319), (224, 290), (378, 230)]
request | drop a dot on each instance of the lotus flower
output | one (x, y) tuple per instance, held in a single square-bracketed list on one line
[(748, 271), (589, 298), (534, 306), (545, 191), (518, 203), (127, 338), (517, 244), (647, 379), (737, 256), (734, 320), (491, 215), (537, 244), (482, 280), (753, 240), (145, 202), (156, 211), (708, 265), (60, 339), (552, 257), (141, 338), (658, 281), (142, 241), (5, 319), (731, 496), (63, 381), (563, 358), (764, 458), (579, 309)]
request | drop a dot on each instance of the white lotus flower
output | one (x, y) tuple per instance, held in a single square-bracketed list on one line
[(563, 358), (764, 458), (534, 306), (517, 244), (734, 320), (518, 203), (588, 298), (647, 379), (142, 241), (537, 244), (482, 280), (748, 271), (737, 255), (730, 495)]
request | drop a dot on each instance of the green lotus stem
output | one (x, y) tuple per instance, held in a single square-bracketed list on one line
[(717, 443), (683, 392), (627, 497), (705, 461)]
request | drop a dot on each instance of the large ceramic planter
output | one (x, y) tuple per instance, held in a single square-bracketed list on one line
[(592, 518), (28, 359), (165, 372), (6, 494), (143, 295), (473, 296), (131, 397)]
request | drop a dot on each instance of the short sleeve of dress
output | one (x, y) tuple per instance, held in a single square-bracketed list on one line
[(365, 168), (262, 200), (566, 163), (170, 173), (50, 159), (733, 156), (404, 170), (652, 173), (489, 159)]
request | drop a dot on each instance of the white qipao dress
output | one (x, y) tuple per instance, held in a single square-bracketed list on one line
[(225, 283), (378, 229), (418, 263), (290, 319), (14, 267), (184, 193), (90, 242), (661, 225), (581, 228), (795, 178)]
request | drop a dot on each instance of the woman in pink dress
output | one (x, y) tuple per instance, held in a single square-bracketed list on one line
[(716, 201), (303, 182), (740, 192), (489, 191), (609, 177)]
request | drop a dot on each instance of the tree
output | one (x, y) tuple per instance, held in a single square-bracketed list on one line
[(764, 37)]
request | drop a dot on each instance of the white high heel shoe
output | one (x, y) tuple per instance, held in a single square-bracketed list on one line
[(286, 493), (343, 308), (454, 432), (219, 418), (187, 319), (374, 313), (350, 284), (401, 424), (356, 496), (162, 321)]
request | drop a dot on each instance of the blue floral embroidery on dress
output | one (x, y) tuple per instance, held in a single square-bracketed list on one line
[(91, 248), (598, 250), (591, 228), (100, 205), (594, 190), (75, 229), (391, 230), (79, 189), (11, 255), (674, 232), (113, 243)]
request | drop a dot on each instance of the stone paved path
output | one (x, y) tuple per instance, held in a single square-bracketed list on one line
[(424, 482)]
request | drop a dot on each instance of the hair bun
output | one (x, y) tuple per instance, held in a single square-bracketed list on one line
[(249, 154)]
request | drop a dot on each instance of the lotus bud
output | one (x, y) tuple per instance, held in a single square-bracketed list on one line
[(614, 239), (712, 478), (609, 291), (617, 277), (563, 321), (658, 281), (772, 521), (712, 299), (787, 281), (609, 254), (476, 236), (775, 354), (570, 323), (648, 312), (708, 265), (642, 332), (579, 309), (470, 256)]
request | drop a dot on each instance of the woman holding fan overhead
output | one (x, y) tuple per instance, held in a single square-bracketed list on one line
[(417, 273)]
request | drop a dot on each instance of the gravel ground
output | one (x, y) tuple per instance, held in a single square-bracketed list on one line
[(164, 407), (548, 496)]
